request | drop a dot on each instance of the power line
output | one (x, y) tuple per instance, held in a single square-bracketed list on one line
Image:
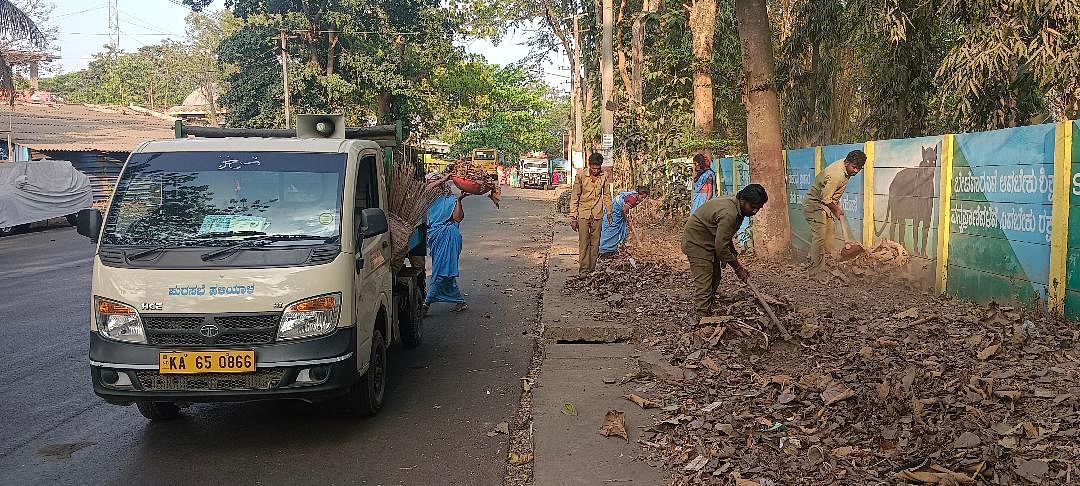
[(99, 7), (133, 24), (145, 24), (110, 34)]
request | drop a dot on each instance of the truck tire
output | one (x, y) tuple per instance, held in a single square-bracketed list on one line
[(366, 397), (158, 410), (412, 323)]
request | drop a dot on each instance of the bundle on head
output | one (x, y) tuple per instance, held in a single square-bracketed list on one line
[(409, 204), (474, 180)]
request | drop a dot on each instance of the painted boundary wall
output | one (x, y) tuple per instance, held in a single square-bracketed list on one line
[(985, 216)]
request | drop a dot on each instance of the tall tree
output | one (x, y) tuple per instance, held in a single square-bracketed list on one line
[(703, 28), (772, 230)]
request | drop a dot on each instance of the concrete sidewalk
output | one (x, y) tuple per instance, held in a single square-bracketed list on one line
[(581, 353)]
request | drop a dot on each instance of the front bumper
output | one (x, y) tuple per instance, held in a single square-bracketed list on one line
[(534, 180), (277, 365)]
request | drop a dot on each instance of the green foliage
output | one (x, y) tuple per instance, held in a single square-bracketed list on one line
[(156, 76), (858, 70), (515, 112)]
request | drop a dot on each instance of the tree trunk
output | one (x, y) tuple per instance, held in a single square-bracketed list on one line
[(330, 57), (772, 230), (384, 107), (607, 77), (703, 29)]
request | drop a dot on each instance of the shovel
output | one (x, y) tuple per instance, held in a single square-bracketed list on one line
[(851, 248)]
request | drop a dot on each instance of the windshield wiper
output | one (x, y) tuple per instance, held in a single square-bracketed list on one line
[(259, 240), (226, 234), (142, 253)]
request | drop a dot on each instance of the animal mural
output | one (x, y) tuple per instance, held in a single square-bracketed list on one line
[(911, 197)]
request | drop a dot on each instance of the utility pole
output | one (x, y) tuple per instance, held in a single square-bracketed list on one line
[(114, 23), (607, 82), (578, 98), (285, 76)]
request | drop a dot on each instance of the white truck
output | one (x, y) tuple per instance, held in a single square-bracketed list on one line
[(254, 266), (535, 173)]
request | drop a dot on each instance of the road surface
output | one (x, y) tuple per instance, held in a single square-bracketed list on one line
[(444, 399)]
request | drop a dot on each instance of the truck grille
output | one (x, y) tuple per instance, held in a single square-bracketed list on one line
[(259, 380), (211, 330)]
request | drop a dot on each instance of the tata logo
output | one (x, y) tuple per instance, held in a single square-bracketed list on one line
[(209, 330)]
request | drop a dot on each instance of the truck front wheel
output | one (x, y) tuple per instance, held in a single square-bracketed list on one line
[(367, 395), (158, 410)]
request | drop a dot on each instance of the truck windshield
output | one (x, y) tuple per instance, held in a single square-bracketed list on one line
[(534, 165), (214, 197)]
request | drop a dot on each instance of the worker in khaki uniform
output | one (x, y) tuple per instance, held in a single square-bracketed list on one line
[(707, 242), (590, 200), (823, 203)]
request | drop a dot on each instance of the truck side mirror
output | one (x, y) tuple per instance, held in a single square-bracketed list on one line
[(88, 223), (373, 222)]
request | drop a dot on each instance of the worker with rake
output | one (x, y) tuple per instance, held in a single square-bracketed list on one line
[(590, 201), (823, 203), (615, 229), (707, 242), (444, 244)]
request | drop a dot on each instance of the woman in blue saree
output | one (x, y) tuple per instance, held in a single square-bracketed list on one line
[(614, 230), (444, 245), (704, 182)]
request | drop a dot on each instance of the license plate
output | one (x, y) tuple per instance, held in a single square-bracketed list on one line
[(191, 362)]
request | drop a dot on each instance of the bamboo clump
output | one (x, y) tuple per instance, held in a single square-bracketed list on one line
[(410, 200)]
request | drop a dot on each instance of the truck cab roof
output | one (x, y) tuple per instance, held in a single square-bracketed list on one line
[(256, 144)]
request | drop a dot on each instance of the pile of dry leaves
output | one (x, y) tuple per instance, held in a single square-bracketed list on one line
[(880, 383)]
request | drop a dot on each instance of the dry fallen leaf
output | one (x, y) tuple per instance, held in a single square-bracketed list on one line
[(836, 392), (642, 402), (1032, 470), (883, 390), (519, 459), (908, 314), (614, 424), (697, 464), (989, 351), (1013, 395), (569, 409), (710, 364)]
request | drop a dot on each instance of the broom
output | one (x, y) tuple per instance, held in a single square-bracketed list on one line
[(409, 203)]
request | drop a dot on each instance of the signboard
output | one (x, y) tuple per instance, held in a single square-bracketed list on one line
[(607, 141)]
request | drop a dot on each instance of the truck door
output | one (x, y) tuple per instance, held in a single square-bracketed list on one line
[(374, 278)]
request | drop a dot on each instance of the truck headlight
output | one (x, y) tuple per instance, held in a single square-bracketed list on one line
[(119, 322), (310, 317)]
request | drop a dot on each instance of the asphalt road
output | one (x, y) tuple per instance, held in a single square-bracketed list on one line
[(444, 398)]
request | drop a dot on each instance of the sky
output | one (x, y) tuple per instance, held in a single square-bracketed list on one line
[(83, 29)]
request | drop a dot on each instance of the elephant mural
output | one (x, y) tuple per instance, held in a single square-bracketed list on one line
[(911, 197)]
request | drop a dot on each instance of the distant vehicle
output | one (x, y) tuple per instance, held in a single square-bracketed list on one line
[(486, 159), (32, 192), (535, 173)]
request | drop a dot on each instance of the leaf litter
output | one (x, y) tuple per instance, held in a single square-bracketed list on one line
[(894, 384)]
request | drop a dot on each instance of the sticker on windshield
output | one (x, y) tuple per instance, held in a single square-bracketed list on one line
[(225, 223), (326, 218)]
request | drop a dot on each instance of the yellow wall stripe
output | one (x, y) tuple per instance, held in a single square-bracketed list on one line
[(868, 196), (1059, 236), (735, 174), (948, 145), (817, 159)]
